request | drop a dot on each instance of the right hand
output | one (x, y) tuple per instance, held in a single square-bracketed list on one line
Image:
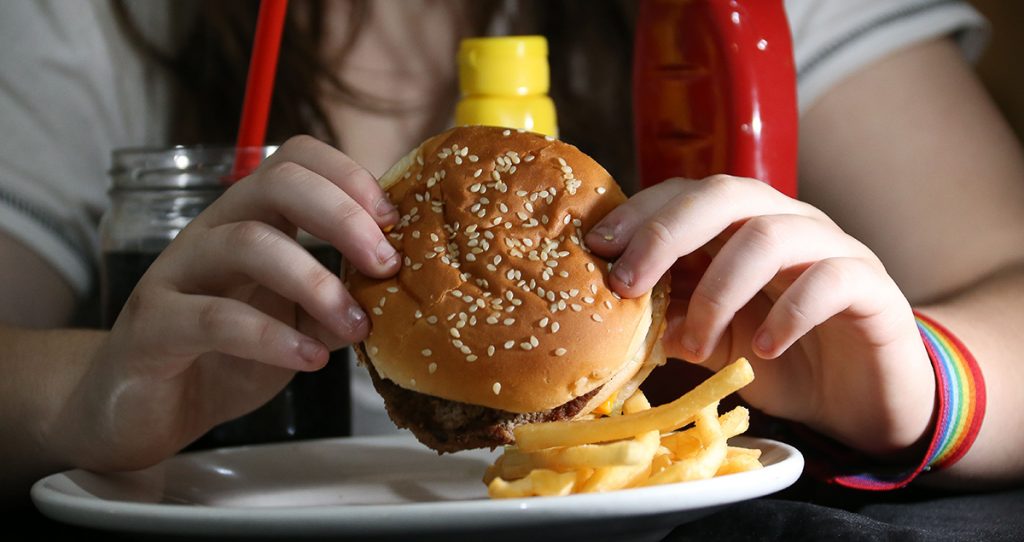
[(231, 309)]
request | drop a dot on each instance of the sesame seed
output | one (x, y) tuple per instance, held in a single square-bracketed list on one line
[(561, 161), (477, 173), (465, 350), (608, 304), (506, 133), (576, 307), (597, 317), (418, 314), (509, 345), (417, 266), (471, 358), (593, 289), (374, 350), (526, 346), (431, 319), (497, 385), (454, 332), (426, 352), (377, 311), (601, 190), (473, 158), (490, 350), (554, 327), (560, 352), (392, 289), (534, 341), (432, 368), (509, 321), (495, 175), (588, 300), (590, 266), (412, 382), (457, 343)]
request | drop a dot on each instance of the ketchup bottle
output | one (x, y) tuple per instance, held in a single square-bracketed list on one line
[(504, 82), (714, 91)]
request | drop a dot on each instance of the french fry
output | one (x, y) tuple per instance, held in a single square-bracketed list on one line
[(537, 436), (642, 446), (686, 442), (738, 463), (618, 477), (636, 403), (733, 451), (540, 483), (703, 464), (517, 463)]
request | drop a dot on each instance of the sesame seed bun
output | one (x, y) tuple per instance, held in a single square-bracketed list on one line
[(498, 302)]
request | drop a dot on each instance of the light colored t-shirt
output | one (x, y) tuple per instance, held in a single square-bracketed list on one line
[(72, 89)]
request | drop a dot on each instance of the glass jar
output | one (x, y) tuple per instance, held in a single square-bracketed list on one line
[(154, 195)]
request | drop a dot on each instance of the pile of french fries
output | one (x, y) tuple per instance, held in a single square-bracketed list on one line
[(642, 446)]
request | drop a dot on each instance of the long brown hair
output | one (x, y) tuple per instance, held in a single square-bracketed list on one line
[(590, 48)]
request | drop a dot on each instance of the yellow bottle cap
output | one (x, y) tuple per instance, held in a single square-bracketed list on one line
[(505, 82), (506, 66)]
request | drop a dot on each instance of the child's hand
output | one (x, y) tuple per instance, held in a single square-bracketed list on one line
[(232, 308), (765, 276)]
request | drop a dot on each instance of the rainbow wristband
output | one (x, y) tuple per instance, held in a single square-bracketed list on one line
[(961, 409)]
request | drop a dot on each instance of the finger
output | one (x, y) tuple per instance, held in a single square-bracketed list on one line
[(275, 261), (757, 253), (690, 220), (829, 287), (337, 167), (198, 324), (608, 238), (287, 193), (311, 327)]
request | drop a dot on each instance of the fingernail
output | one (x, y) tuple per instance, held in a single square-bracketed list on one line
[(690, 344), (310, 350), (763, 341), (384, 207), (622, 273), (603, 232), (385, 252), (356, 317)]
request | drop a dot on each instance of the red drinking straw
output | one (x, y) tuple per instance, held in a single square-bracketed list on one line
[(259, 86)]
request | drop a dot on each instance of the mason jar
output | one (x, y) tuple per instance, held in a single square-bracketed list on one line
[(154, 194)]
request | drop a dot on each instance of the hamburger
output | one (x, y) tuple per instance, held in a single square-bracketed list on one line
[(500, 315)]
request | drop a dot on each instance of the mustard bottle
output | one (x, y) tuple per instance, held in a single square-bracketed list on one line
[(504, 82)]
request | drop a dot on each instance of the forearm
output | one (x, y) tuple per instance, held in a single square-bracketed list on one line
[(988, 317), (42, 369)]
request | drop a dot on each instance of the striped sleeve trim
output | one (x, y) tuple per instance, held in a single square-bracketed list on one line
[(54, 239)]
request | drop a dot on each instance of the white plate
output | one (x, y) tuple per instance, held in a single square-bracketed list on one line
[(384, 487)]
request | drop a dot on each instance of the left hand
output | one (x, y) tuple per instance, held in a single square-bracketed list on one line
[(765, 276)]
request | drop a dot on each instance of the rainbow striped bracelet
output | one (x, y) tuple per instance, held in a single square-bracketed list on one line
[(961, 409)]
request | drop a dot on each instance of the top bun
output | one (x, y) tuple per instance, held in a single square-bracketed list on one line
[(498, 302)]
